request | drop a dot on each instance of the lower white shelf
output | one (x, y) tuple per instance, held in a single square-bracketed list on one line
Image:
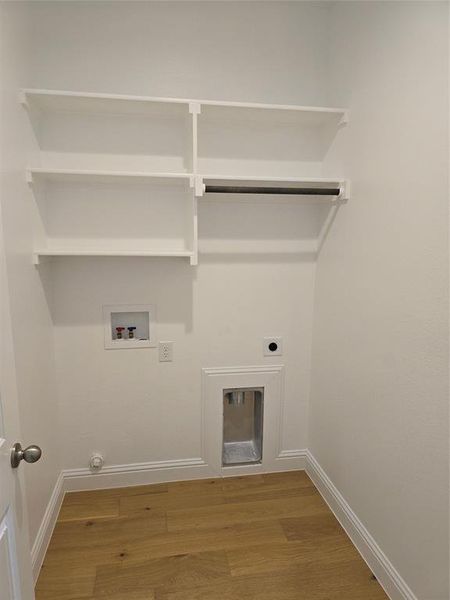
[(38, 254)]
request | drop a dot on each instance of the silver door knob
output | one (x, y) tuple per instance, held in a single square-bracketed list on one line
[(30, 455)]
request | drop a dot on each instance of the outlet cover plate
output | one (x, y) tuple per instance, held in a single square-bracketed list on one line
[(165, 351)]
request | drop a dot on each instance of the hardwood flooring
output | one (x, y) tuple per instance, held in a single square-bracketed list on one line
[(265, 537)]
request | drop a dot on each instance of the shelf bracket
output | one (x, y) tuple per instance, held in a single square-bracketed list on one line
[(23, 100), (344, 119), (199, 187), (195, 108)]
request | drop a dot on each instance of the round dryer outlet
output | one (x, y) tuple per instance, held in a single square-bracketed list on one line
[(272, 346)]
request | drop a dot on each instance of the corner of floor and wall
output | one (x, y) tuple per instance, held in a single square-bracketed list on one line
[(366, 412)]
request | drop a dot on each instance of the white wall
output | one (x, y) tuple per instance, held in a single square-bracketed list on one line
[(265, 51), (379, 412), (125, 403), (134, 409), (31, 322)]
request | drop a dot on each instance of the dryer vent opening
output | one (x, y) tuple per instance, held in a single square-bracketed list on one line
[(243, 410)]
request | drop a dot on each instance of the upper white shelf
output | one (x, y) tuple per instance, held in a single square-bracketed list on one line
[(305, 116), (124, 253), (91, 176), (243, 179), (57, 100)]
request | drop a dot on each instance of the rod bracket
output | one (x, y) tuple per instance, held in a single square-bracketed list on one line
[(344, 191)]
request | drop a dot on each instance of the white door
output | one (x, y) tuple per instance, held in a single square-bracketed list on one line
[(15, 562)]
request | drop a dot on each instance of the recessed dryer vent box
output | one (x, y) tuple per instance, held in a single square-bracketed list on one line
[(129, 326)]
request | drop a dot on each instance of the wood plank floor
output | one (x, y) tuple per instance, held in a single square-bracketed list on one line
[(265, 537)]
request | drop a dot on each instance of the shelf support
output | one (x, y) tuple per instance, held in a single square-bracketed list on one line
[(200, 187), (344, 119), (195, 108), (23, 100)]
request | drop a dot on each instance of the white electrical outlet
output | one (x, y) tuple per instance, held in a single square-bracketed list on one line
[(272, 346), (165, 351)]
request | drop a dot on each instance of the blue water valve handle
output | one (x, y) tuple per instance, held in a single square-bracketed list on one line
[(131, 332)]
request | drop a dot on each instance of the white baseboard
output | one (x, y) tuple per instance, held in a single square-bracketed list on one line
[(47, 526), (135, 474), (291, 460), (294, 454), (389, 578), (169, 470)]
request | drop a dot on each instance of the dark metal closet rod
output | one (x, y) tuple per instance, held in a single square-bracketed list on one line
[(303, 191)]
